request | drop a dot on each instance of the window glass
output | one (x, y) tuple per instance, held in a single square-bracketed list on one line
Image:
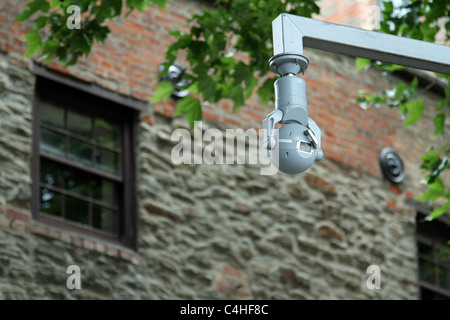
[(76, 182), (52, 143), (76, 210), (434, 258), (107, 161), (103, 190), (83, 196), (52, 115), (103, 219), (79, 124), (106, 133), (80, 152), (50, 202)]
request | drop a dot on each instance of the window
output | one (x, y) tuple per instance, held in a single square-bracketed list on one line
[(433, 252), (83, 171)]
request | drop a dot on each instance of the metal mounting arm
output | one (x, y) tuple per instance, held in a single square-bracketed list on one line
[(291, 33)]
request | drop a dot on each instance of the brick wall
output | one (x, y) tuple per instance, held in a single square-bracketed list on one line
[(360, 13), (219, 231)]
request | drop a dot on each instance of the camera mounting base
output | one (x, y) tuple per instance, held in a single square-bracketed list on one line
[(288, 63)]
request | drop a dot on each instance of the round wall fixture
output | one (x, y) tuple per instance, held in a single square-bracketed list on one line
[(392, 165), (175, 75)]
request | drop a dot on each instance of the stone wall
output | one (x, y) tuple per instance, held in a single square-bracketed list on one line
[(219, 231), (206, 231)]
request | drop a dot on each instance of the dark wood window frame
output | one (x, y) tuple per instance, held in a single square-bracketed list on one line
[(94, 100), (437, 229)]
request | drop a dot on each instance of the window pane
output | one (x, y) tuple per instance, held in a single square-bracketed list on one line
[(80, 152), (79, 124), (426, 270), (76, 210), (106, 133), (52, 143), (50, 173), (103, 219), (103, 190), (107, 161), (443, 252), (444, 278), (76, 182), (425, 247), (51, 114), (50, 202)]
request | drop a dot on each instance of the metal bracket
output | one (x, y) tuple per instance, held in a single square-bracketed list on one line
[(291, 33), (269, 127)]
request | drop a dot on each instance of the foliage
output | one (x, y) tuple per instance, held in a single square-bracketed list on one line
[(53, 40), (217, 42), (416, 19)]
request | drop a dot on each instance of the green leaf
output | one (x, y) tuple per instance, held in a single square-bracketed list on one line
[(401, 89), (435, 190), (237, 94), (266, 91), (33, 7), (439, 124), (431, 160), (395, 67), (50, 48), (191, 107), (362, 63), (414, 83), (415, 111), (206, 86), (40, 22), (388, 6), (241, 72), (193, 87), (436, 213), (249, 87), (34, 42), (163, 91)]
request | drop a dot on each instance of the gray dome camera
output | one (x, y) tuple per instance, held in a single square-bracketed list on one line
[(296, 145)]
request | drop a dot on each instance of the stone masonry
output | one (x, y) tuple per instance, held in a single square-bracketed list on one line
[(219, 231)]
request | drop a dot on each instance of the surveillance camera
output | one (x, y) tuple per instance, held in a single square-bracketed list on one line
[(175, 74), (296, 145)]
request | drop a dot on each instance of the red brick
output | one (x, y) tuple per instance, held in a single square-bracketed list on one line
[(88, 244), (391, 204), (54, 234), (100, 247), (409, 194), (231, 282), (228, 270), (329, 232), (211, 116), (111, 251), (318, 183), (231, 121), (125, 255), (395, 189), (10, 213), (41, 229), (149, 120)]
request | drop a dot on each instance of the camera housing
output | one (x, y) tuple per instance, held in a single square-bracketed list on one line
[(296, 145)]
